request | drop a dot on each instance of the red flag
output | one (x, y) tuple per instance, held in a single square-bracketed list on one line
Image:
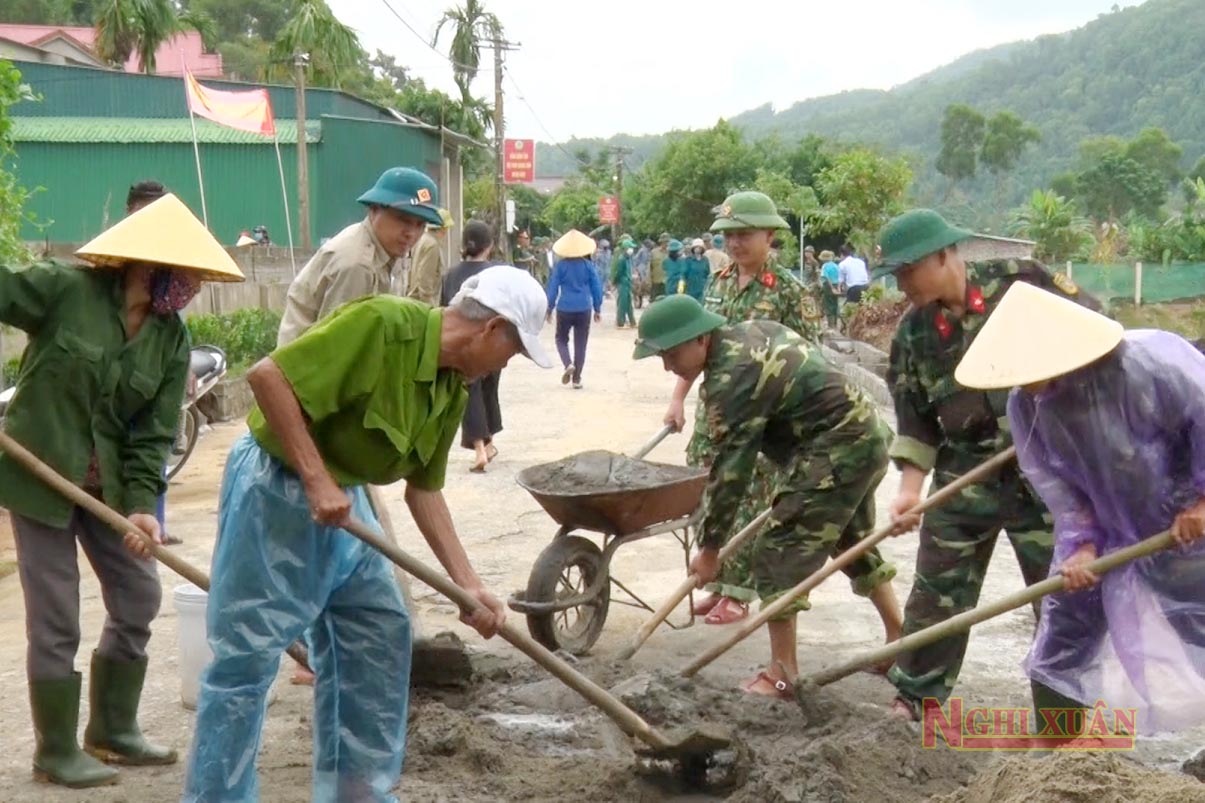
[(250, 110)]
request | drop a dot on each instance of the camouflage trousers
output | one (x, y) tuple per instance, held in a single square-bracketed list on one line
[(956, 544), (823, 504)]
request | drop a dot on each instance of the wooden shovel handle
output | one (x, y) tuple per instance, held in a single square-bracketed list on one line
[(627, 719), (679, 593), (965, 621), (847, 557), (117, 522)]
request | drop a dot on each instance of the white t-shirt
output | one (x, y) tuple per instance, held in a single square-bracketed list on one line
[(853, 271)]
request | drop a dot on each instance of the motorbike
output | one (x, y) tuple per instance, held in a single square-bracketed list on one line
[(207, 367)]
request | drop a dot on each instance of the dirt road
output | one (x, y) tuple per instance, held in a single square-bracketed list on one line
[(559, 750)]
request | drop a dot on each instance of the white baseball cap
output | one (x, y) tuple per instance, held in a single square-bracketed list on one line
[(516, 296)]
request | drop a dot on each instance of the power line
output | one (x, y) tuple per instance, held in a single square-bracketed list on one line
[(540, 123)]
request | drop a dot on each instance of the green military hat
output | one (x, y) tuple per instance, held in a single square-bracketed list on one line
[(663, 237), (748, 210), (914, 235), (675, 245), (671, 322), (628, 242), (406, 190)]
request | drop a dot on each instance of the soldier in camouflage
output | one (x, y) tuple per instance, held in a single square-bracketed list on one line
[(948, 429), (768, 391), (755, 288)]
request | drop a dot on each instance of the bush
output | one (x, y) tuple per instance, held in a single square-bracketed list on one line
[(11, 370), (246, 335)]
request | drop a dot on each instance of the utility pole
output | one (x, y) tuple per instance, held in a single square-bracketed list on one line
[(300, 60), (500, 46), (617, 226)]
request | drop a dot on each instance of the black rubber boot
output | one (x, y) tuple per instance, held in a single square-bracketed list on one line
[(112, 735), (1072, 712), (58, 758)]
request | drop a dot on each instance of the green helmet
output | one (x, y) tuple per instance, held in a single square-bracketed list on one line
[(406, 190), (671, 322), (748, 210), (663, 237), (913, 235), (675, 245)]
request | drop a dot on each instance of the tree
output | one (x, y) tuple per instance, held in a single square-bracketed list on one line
[(1154, 150), (574, 206), (12, 195), (859, 193), (1006, 138), (472, 25), (1053, 223), (962, 135), (696, 171), (1117, 185), (333, 48), (135, 27)]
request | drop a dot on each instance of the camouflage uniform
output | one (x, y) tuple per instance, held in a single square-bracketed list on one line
[(950, 429), (776, 296), (768, 390)]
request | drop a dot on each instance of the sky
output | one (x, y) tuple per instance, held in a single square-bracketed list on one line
[(676, 65)]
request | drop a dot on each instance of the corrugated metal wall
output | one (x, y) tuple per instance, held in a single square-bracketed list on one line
[(83, 185), (353, 154), (85, 92)]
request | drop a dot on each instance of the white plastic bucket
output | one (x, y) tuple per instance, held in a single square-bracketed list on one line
[(194, 648)]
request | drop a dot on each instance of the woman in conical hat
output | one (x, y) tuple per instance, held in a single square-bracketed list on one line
[(1110, 431), (98, 398)]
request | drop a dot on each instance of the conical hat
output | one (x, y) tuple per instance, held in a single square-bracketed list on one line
[(167, 233), (573, 244), (1033, 336), (243, 241)]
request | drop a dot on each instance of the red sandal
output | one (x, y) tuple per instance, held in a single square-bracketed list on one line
[(782, 689), (727, 611), (704, 605)]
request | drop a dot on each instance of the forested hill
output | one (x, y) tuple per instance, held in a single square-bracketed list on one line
[(1124, 71)]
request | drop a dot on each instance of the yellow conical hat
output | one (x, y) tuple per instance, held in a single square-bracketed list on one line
[(1033, 336), (573, 244), (166, 233)]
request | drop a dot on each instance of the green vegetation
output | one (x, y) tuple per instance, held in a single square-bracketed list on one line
[(246, 335), (1185, 319), (12, 195)]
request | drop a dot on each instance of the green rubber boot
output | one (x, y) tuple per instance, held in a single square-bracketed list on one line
[(112, 734), (58, 758)]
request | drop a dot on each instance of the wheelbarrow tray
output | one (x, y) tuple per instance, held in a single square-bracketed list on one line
[(610, 493)]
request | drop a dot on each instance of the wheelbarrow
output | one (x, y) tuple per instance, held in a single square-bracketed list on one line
[(617, 499)]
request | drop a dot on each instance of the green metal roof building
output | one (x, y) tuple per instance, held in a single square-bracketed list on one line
[(95, 132)]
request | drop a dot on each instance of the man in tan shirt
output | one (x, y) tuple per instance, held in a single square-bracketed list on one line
[(424, 277), (360, 260)]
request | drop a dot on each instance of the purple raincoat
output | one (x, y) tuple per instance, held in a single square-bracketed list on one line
[(1116, 450)]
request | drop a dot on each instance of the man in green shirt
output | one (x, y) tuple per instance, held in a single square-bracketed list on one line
[(372, 394), (767, 390)]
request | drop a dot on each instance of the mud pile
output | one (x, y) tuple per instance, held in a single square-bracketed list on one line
[(599, 472), (1095, 777), (518, 735)]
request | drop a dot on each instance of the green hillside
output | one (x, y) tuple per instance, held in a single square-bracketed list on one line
[(1125, 71)]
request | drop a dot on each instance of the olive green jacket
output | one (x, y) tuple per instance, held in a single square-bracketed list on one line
[(84, 388)]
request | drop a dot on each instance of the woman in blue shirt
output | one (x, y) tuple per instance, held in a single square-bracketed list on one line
[(698, 270), (573, 290), (830, 288)]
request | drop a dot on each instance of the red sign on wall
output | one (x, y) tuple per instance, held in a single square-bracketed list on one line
[(608, 209), (519, 161)]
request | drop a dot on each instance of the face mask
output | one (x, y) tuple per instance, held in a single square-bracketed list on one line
[(171, 290)]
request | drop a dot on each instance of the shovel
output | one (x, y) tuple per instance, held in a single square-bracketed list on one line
[(691, 748), (116, 521), (847, 557), (964, 621), (688, 585)]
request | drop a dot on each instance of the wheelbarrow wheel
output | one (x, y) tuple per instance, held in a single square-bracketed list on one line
[(566, 568)]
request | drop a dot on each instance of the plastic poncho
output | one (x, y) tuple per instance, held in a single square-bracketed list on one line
[(1117, 451), (276, 572)]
